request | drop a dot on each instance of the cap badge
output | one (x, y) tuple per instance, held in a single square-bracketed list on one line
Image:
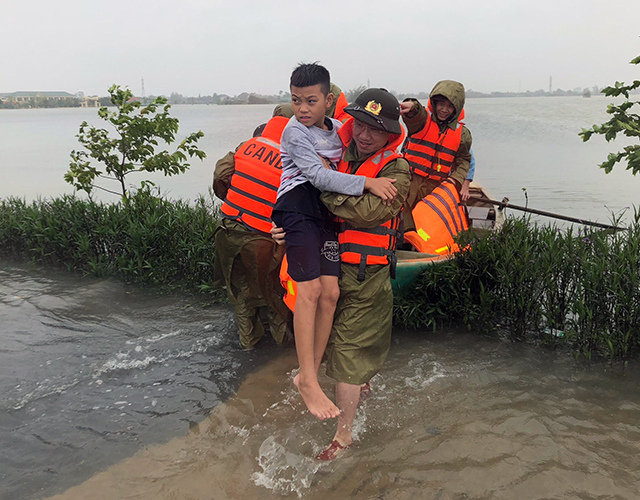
[(373, 107)]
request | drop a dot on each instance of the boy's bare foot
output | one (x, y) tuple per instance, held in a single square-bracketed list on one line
[(317, 402), (334, 450)]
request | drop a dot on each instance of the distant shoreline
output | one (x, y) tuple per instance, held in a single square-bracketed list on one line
[(495, 95)]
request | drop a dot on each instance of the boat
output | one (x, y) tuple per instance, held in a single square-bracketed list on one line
[(482, 215)]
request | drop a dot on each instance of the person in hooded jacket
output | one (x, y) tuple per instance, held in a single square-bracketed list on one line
[(439, 145)]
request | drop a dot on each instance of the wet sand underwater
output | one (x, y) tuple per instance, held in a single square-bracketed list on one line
[(452, 416)]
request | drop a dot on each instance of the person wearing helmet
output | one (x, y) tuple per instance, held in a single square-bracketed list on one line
[(368, 232)]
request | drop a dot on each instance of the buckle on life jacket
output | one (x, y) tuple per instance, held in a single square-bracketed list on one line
[(393, 261), (362, 268)]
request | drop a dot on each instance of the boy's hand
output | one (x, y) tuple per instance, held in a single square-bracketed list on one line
[(382, 187), (277, 234), (406, 107)]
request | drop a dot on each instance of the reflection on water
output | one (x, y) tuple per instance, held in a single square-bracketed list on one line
[(533, 144), (29, 171), (452, 416), (91, 371)]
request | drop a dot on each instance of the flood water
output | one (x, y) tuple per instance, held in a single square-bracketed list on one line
[(452, 416), (92, 371), (520, 143), (117, 394), (109, 392)]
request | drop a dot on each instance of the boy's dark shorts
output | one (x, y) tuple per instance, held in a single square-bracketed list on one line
[(312, 246)]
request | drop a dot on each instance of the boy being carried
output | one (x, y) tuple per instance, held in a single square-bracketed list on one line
[(312, 245)]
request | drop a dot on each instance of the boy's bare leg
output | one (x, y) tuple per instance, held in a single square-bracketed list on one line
[(330, 292), (304, 329)]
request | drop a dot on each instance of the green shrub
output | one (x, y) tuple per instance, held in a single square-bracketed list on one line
[(139, 132), (530, 282), (579, 288), (143, 239)]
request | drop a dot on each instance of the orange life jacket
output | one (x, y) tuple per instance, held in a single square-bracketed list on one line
[(290, 286), (255, 182), (373, 245), (384, 235), (430, 153), (339, 113), (438, 217)]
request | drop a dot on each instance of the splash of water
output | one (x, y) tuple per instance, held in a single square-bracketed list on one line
[(282, 470)]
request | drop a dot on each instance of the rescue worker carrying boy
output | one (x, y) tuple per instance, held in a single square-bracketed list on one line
[(361, 334)]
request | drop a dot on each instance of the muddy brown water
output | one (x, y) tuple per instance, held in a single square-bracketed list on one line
[(106, 392), (452, 416)]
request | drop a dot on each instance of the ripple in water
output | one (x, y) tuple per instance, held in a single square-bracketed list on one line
[(91, 371), (450, 417)]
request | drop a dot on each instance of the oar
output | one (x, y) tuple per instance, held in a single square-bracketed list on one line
[(505, 204)]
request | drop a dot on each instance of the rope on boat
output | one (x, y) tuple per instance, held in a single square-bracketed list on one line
[(505, 204)]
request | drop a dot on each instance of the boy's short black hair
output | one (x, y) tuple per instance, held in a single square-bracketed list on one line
[(306, 75)]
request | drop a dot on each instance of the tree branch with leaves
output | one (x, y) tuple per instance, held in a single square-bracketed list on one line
[(138, 132), (624, 120)]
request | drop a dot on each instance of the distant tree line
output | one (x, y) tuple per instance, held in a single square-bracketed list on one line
[(254, 98), (40, 102), (244, 98), (585, 92), (351, 94)]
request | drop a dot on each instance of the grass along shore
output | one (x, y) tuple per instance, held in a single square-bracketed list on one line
[(578, 288), (575, 287), (143, 239)]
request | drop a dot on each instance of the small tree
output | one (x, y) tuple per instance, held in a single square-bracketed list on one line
[(138, 130), (623, 120)]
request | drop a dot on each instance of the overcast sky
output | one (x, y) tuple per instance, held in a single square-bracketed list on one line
[(205, 46)]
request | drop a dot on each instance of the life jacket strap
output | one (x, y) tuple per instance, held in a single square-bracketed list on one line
[(393, 262), (256, 180), (365, 251), (378, 230), (246, 194)]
